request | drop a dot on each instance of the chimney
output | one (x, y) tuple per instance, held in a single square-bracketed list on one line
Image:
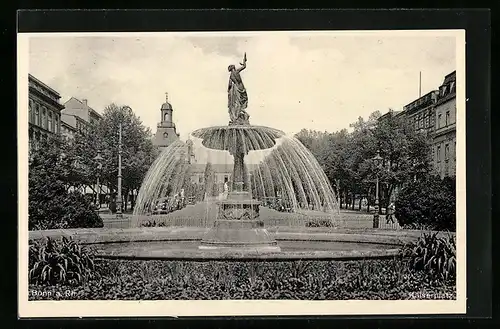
[(84, 102)]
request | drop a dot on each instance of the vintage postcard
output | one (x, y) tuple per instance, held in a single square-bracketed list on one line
[(241, 173)]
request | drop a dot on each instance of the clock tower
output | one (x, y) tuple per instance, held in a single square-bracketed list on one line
[(166, 133)]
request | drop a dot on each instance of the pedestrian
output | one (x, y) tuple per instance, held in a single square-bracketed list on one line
[(390, 213)]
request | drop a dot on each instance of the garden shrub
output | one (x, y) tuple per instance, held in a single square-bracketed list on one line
[(60, 210), (59, 262), (50, 205), (153, 223), (300, 280), (436, 255), (428, 203), (320, 223)]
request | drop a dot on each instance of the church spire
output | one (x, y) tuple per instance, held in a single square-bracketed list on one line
[(166, 97)]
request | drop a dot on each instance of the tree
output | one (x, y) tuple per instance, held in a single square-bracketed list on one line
[(346, 157), (404, 151), (138, 152), (51, 204)]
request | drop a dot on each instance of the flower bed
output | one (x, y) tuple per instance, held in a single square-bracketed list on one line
[(313, 280)]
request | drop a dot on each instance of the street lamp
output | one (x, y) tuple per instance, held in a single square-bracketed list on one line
[(119, 194), (376, 160), (98, 158)]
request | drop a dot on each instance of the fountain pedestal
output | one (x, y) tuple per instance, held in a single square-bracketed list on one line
[(238, 227)]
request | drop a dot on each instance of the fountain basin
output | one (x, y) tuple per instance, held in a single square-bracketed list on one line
[(246, 137), (288, 250), (239, 235), (183, 243)]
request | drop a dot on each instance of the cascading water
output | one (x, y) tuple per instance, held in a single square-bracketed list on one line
[(291, 173), (287, 171), (167, 176)]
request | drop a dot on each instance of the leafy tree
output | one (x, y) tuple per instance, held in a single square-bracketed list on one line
[(138, 152), (404, 151), (347, 157), (51, 204)]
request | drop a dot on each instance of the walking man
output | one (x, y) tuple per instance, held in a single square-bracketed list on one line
[(390, 213)]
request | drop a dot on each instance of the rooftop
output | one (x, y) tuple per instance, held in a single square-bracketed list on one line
[(39, 82), (91, 110)]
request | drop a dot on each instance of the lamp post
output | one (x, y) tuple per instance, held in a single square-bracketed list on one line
[(119, 194), (98, 159), (376, 160)]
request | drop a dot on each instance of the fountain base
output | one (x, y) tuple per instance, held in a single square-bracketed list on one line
[(238, 228), (239, 235)]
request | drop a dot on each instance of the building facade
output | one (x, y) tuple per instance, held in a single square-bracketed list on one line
[(444, 139), (44, 111), (78, 116), (434, 114), (420, 113), (166, 132), (67, 130)]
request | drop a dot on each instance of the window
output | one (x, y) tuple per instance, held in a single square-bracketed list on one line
[(452, 86), (426, 121), (44, 117), (447, 118), (56, 124), (165, 135), (438, 154), (443, 90), (37, 114), (446, 152), (30, 112), (50, 126), (439, 121)]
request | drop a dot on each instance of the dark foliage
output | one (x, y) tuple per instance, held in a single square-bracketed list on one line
[(436, 255), (51, 205), (316, 280), (321, 223), (153, 223), (428, 203), (59, 262)]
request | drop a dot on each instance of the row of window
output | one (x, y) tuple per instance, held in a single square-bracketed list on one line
[(219, 180), (81, 126), (445, 89), (423, 120), (446, 152), (43, 117), (447, 120), (34, 139)]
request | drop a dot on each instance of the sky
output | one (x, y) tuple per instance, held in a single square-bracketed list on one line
[(320, 81)]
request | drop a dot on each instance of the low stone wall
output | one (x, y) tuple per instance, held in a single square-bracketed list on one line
[(103, 235)]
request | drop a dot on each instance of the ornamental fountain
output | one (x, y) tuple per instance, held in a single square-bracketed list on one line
[(289, 168), (238, 225)]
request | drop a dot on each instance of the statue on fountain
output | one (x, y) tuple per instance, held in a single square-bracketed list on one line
[(237, 95)]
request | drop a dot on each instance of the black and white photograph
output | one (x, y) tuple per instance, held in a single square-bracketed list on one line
[(242, 173)]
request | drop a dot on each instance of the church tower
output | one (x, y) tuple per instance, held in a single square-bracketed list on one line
[(166, 133)]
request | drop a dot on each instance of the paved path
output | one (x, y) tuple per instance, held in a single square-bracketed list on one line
[(203, 214)]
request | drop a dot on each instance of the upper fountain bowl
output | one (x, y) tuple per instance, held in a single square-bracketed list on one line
[(238, 138)]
